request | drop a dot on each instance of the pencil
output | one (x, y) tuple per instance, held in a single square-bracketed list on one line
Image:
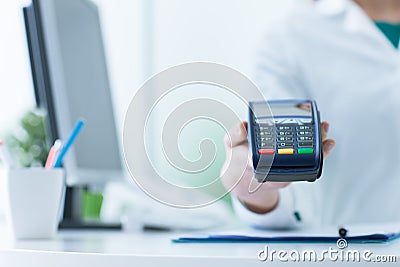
[(74, 134), (53, 153)]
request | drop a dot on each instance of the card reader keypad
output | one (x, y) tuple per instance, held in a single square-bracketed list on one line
[(285, 139)]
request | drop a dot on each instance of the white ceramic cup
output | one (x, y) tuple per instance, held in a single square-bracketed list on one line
[(33, 200)]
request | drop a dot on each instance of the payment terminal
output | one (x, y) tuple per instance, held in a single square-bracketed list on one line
[(285, 140)]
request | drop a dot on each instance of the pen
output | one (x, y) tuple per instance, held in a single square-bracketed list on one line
[(342, 231), (53, 153), (75, 132), (6, 156)]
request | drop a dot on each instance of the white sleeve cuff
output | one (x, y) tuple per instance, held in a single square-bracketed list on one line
[(283, 216)]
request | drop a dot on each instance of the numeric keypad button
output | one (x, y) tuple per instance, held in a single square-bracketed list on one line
[(304, 138)]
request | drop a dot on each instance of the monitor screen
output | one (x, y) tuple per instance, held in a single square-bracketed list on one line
[(74, 84)]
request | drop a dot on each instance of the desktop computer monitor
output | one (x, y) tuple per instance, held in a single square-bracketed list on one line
[(71, 81)]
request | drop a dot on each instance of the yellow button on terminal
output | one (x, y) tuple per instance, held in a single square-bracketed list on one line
[(287, 151)]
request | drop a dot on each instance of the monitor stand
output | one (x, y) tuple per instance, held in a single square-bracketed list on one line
[(72, 218)]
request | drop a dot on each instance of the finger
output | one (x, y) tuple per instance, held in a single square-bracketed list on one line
[(269, 185), (255, 185), (324, 129), (237, 135), (236, 166), (328, 145), (276, 185)]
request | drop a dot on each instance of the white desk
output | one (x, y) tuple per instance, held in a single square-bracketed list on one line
[(98, 249)]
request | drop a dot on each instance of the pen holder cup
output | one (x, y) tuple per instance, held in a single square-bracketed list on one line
[(33, 201)]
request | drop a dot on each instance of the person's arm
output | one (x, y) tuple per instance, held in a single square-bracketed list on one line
[(273, 205), (282, 216), (269, 204)]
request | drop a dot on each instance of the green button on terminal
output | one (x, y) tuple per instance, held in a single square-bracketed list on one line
[(305, 150)]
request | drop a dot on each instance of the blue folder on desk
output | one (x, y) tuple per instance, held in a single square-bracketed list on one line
[(299, 236)]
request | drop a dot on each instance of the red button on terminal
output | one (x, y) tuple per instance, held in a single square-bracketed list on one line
[(266, 151)]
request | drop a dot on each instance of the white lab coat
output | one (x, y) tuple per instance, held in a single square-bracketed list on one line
[(332, 52)]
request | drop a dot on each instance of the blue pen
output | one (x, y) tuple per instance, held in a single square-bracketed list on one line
[(75, 132)]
